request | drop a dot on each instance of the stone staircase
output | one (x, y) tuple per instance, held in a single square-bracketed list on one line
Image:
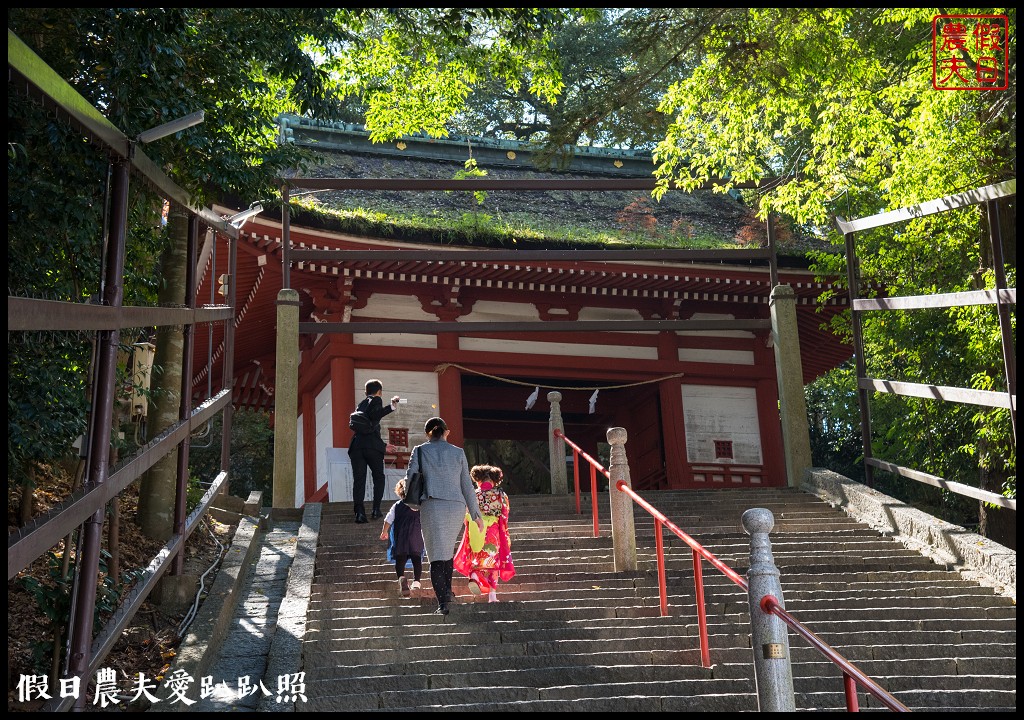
[(572, 635)]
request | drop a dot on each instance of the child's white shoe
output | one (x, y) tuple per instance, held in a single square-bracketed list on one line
[(492, 596), (415, 585)]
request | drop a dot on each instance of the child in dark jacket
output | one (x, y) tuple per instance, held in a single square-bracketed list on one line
[(402, 529)]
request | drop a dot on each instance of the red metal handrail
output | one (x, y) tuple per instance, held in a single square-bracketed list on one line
[(699, 553), (577, 452), (852, 676)]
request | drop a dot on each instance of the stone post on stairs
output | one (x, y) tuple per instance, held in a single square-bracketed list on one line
[(559, 479), (796, 439), (773, 671), (623, 530), (286, 399)]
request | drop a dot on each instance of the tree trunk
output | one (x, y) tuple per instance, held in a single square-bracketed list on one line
[(156, 494), (27, 502)]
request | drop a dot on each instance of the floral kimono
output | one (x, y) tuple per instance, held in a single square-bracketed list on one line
[(490, 552)]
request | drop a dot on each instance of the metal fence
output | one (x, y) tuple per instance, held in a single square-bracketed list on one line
[(83, 511), (1002, 297)]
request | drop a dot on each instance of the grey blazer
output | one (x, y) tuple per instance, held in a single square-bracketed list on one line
[(447, 472)]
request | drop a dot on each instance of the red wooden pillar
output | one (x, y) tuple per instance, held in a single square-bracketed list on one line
[(673, 432), (343, 396), (449, 392)]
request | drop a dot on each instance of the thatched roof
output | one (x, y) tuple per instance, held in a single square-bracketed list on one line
[(703, 218)]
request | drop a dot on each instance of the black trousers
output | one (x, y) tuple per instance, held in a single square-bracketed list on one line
[(441, 579), (417, 565), (363, 458)]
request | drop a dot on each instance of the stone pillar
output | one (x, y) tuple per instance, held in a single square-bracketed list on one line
[(559, 480), (773, 671), (286, 401), (796, 437), (623, 529)]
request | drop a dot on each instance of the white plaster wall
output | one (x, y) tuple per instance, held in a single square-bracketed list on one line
[(712, 412), (490, 311), (406, 340), (604, 313), (419, 388), (715, 333), (393, 307), (324, 433), (559, 349), (727, 357)]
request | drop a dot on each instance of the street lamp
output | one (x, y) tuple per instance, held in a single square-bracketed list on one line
[(239, 219)]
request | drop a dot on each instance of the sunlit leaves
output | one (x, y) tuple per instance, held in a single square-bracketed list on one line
[(831, 98)]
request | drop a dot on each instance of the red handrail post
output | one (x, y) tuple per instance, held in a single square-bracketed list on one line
[(659, 545), (850, 687), (757, 522), (576, 476), (702, 615), (593, 499)]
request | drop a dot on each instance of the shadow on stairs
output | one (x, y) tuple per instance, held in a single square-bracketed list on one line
[(572, 635)]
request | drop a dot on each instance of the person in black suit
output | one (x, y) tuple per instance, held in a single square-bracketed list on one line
[(367, 451)]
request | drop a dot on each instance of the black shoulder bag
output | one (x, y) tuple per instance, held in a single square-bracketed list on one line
[(415, 484)]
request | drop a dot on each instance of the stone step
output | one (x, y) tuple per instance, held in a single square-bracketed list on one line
[(573, 635), (708, 703), (544, 670)]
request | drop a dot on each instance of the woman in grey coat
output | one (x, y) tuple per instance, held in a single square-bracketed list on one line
[(449, 493)]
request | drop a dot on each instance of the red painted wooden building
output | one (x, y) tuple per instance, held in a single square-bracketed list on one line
[(700, 407)]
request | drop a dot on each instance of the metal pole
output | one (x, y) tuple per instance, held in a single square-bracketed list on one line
[(850, 691), (659, 549), (286, 239), (228, 370), (773, 672), (1005, 328), (99, 444), (185, 402), (702, 613), (853, 280), (576, 476)]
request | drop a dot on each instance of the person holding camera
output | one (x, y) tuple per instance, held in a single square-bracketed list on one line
[(367, 449)]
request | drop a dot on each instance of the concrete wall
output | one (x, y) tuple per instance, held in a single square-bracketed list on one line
[(975, 557)]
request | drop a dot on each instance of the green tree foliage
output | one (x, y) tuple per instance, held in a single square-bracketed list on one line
[(252, 453), (55, 226), (616, 65), (407, 69), (839, 103), (834, 423)]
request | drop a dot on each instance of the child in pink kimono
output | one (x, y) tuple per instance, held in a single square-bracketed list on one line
[(486, 557)]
